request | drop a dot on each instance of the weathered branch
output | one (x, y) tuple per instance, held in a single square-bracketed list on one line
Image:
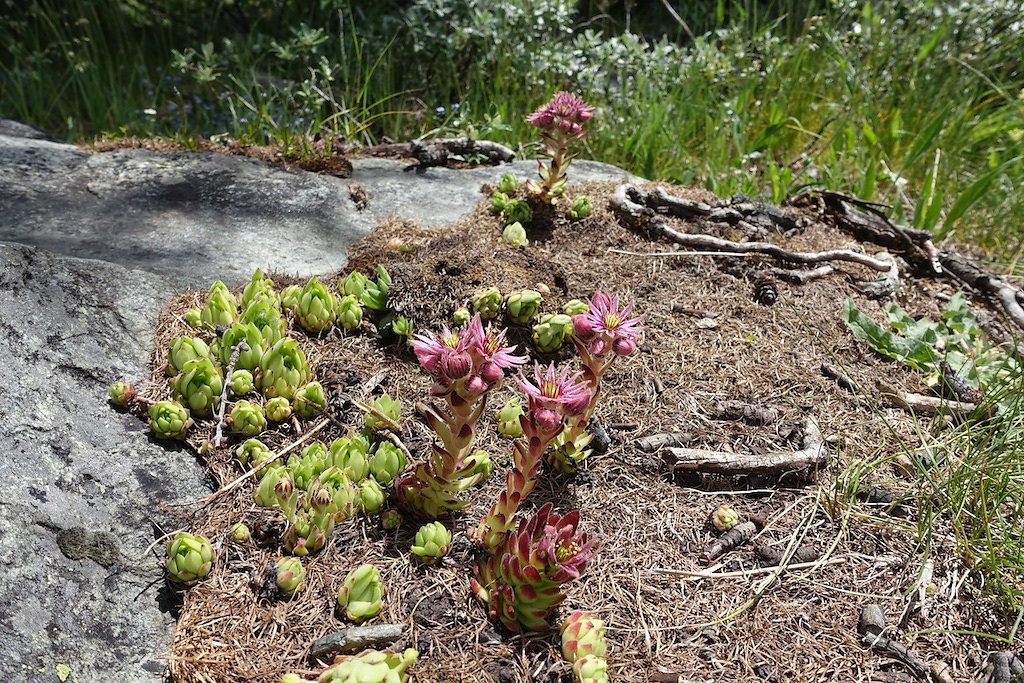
[(655, 442), (354, 639), (643, 211), (238, 349), (811, 457), (733, 538)]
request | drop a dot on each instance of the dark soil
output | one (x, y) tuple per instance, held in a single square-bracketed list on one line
[(707, 341)]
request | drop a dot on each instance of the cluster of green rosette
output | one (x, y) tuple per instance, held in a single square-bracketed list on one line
[(241, 349), (550, 332)]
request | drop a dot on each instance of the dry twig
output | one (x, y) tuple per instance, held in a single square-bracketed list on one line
[(238, 349), (811, 457)]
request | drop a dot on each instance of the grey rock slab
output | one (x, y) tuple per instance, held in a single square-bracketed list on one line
[(77, 472), (190, 217)]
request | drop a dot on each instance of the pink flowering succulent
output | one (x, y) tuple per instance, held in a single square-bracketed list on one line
[(522, 582), (555, 398), (606, 330), (560, 122), (465, 366)]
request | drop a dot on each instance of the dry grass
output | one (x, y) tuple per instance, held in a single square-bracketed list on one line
[(663, 623)]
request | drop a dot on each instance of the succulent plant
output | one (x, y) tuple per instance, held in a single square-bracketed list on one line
[(253, 452), (371, 496), (499, 202), (375, 292), (478, 466), (581, 208), (386, 406), (461, 316), (310, 401), (264, 314), (182, 350), (169, 420), (390, 519), (359, 596), (283, 369), (560, 122), (350, 312), (522, 307), (508, 184), (515, 234), (432, 542), (522, 582), (308, 532), (291, 575), (194, 318), (387, 462), (258, 287), (242, 382), (590, 669), (221, 308), (345, 494), (574, 307), (583, 634), (267, 491), (309, 464), (351, 454), (551, 332), (508, 419), (189, 558), (517, 211), (199, 386), (487, 302), (248, 356), (353, 284), (370, 666), (317, 307), (121, 394), (290, 297), (278, 409), (247, 419), (240, 533), (401, 326), (724, 518)]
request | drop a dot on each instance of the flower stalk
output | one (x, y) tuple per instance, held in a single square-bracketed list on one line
[(560, 122)]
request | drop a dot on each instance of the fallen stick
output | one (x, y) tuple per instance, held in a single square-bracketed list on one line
[(655, 442), (697, 576), (897, 651), (750, 413), (238, 349), (354, 639), (646, 217), (436, 152), (730, 540), (811, 457), (235, 483), (919, 403), (773, 556)]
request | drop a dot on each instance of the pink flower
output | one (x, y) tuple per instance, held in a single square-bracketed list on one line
[(564, 392), (491, 345), (607, 318), (434, 352), (566, 112)]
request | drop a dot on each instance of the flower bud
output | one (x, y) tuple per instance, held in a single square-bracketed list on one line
[(456, 365), (491, 372), (583, 327), (598, 347), (476, 385), (623, 346), (547, 420)]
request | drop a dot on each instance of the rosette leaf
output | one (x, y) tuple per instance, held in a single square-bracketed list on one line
[(371, 496), (169, 420), (360, 594), (432, 542), (522, 307), (283, 369), (387, 462), (221, 308), (189, 558), (265, 315), (310, 401), (487, 302), (351, 454), (247, 419), (317, 307), (199, 386), (278, 409), (291, 575), (182, 350), (242, 382), (121, 394), (350, 312)]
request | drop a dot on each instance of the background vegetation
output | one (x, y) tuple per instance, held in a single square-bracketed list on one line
[(918, 104)]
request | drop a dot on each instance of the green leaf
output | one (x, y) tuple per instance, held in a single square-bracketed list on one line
[(970, 197), (924, 140), (914, 353)]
